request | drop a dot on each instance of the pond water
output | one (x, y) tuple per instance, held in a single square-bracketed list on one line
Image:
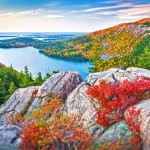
[(37, 62)]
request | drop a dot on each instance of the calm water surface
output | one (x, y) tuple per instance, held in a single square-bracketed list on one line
[(37, 62)]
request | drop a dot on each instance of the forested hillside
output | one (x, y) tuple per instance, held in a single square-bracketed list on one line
[(122, 46)]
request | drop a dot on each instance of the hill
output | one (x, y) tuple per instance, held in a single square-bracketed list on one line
[(118, 46)]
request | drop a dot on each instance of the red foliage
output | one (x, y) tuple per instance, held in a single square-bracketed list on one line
[(116, 98), (56, 133), (52, 130), (132, 121)]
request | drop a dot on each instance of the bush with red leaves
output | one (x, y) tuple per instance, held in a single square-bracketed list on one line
[(116, 98)]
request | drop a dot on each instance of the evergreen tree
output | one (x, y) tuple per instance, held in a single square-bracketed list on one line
[(144, 60), (2, 92), (39, 79), (47, 76), (26, 79), (11, 89), (26, 70)]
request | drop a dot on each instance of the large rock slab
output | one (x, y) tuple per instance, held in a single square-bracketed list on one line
[(95, 78), (144, 119), (59, 85), (139, 71), (118, 136), (26, 100), (9, 137), (118, 130), (17, 103), (78, 103), (113, 75)]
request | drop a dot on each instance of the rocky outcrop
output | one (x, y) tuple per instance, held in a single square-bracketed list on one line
[(118, 130), (59, 85), (79, 103), (118, 136), (139, 71), (68, 87), (25, 100), (113, 75), (144, 119), (17, 103), (9, 137)]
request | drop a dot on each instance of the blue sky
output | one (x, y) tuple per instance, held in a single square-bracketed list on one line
[(68, 15)]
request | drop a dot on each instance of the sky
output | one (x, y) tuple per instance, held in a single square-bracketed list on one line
[(69, 15)]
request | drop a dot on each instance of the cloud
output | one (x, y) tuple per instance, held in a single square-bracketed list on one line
[(111, 1), (107, 13), (137, 11), (27, 13), (53, 16), (54, 4), (95, 18), (21, 13), (132, 17), (30, 12), (123, 5), (134, 12), (72, 11)]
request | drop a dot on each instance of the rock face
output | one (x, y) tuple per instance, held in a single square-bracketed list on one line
[(139, 71), (9, 137), (18, 102), (118, 130), (144, 119), (68, 87), (79, 103), (59, 85), (25, 100), (113, 75)]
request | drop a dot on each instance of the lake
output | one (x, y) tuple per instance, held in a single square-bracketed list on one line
[(37, 62)]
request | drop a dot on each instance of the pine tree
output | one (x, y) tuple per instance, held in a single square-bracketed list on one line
[(144, 60), (39, 79), (26, 78), (26, 70), (12, 88), (2, 92)]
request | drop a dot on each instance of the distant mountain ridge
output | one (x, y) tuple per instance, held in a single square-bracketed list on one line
[(123, 26), (107, 46)]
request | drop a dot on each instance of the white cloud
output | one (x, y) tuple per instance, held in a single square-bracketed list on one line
[(73, 11), (108, 7), (134, 12), (132, 17), (107, 13), (138, 11), (54, 4), (53, 16), (26, 13), (21, 13), (112, 1)]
